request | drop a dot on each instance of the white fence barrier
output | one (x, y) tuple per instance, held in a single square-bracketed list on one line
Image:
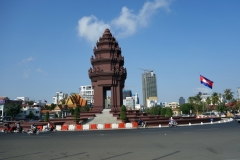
[(114, 125), (100, 126), (71, 127), (128, 125), (58, 127), (86, 127)]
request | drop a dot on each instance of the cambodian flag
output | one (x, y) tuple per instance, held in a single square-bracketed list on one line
[(206, 81)]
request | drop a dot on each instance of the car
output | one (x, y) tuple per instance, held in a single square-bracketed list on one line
[(237, 118)]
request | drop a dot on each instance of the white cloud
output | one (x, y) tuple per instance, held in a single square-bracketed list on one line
[(203, 90), (126, 24), (26, 73), (91, 28), (26, 60), (39, 70)]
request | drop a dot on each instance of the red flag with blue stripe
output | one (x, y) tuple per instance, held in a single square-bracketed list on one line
[(206, 81)]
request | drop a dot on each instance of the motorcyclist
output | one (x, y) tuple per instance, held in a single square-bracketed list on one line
[(49, 126), (171, 120), (33, 127), (19, 127), (140, 121)]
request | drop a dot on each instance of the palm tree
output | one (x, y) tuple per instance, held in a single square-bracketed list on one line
[(215, 98), (208, 101), (228, 94), (191, 100)]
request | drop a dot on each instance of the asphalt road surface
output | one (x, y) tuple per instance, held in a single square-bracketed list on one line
[(202, 142)]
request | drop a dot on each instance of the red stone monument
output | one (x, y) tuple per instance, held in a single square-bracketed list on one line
[(107, 72)]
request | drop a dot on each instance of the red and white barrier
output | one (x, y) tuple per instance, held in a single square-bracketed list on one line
[(78, 127)]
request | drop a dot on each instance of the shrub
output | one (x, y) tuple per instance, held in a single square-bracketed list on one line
[(76, 115), (123, 115), (46, 117)]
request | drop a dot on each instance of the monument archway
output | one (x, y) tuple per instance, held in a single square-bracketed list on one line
[(107, 72)]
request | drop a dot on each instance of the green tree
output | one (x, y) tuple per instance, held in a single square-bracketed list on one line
[(228, 94), (163, 111), (46, 117), (85, 109), (76, 115), (52, 107), (169, 112), (215, 98), (221, 107), (71, 111), (123, 115), (13, 110), (30, 115), (186, 107), (30, 103)]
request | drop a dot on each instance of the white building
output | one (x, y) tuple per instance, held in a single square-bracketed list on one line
[(163, 104), (87, 93), (205, 96), (24, 99), (26, 110), (58, 97), (151, 102), (173, 104), (136, 98), (129, 102), (238, 93)]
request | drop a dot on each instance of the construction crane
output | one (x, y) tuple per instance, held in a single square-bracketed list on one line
[(146, 70)]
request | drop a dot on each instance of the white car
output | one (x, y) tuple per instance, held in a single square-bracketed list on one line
[(237, 118)]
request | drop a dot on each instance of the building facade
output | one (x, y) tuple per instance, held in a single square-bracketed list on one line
[(87, 92), (151, 102), (173, 105), (181, 100), (4, 101), (136, 98), (238, 93), (129, 102), (149, 86), (127, 93), (58, 97)]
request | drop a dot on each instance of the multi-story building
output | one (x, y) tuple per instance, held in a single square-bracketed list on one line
[(238, 93), (87, 92), (129, 102), (4, 101), (181, 100), (136, 98), (127, 93), (58, 97), (27, 109), (151, 102), (173, 104), (149, 86), (24, 99)]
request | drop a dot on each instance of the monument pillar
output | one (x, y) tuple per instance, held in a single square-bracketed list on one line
[(107, 72)]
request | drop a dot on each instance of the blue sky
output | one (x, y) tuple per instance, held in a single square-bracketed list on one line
[(45, 46)]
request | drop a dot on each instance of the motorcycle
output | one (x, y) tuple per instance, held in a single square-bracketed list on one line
[(173, 123), (8, 129), (143, 124), (33, 131), (19, 130), (51, 129)]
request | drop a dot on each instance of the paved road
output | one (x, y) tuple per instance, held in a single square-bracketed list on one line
[(203, 142)]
